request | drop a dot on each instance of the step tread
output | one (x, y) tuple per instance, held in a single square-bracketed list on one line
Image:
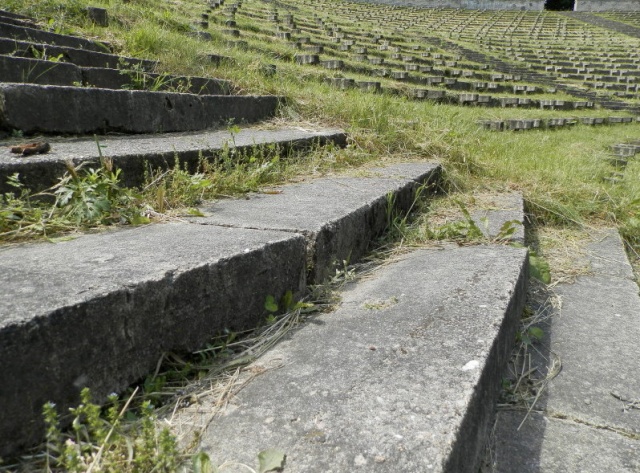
[(317, 209), (402, 377), (39, 35), (79, 57), (45, 72), (594, 333)]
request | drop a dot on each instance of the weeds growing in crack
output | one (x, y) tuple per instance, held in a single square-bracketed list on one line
[(532, 365)]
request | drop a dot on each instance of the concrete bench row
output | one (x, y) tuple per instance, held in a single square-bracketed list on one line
[(138, 155), (39, 71)]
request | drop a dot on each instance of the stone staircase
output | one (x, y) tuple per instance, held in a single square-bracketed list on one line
[(100, 310), (403, 376)]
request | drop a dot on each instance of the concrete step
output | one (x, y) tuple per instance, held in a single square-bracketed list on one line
[(138, 154), (46, 72), (587, 420), (402, 377), (59, 109), (79, 57), (100, 310), (12, 15), (23, 33)]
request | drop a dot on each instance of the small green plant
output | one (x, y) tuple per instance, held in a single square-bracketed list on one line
[(95, 197), (140, 79), (42, 55), (460, 230), (99, 440)]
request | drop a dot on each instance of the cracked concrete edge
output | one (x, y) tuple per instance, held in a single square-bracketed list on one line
[(548, 445)]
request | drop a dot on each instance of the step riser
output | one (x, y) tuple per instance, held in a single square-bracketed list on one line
[(42, 172), (34, 71), (32, 34), (117, 333), (82, 111), (79, 57)]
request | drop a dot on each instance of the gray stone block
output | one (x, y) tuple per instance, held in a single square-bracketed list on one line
[(86, 110), (99, 311), (135, 155), (98, 16)]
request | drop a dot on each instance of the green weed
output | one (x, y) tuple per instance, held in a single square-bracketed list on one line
[(99, 440)]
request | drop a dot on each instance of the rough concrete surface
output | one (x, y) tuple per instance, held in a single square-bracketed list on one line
[(402, 377), (594, 333), (499, 209), (100, 310), (137, 154), (36, 35), (88, 110), (547, 445), (340, 216)]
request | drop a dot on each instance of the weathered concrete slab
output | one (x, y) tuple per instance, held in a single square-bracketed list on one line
[(340, 216), (121, 79), (79, 57), (139, 153), (587, 421), (596, 336), (87, 110), (40, 36), (402, 377), (547, 445), (100, 310)]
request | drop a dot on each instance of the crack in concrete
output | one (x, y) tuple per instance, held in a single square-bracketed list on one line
[(569, 418)]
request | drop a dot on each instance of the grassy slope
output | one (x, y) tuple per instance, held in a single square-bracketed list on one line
[(559, 172)]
